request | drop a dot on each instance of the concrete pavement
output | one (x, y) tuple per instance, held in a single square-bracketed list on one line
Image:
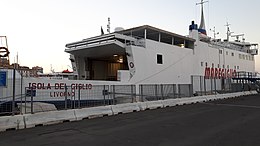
[(219, 123)]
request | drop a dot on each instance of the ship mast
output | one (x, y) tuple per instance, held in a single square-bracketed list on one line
[(214, 32), (202, 27), (228, 31)]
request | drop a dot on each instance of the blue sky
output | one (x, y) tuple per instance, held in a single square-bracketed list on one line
[(39, 29)]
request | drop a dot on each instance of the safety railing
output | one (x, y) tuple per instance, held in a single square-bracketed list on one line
[(38, 99)]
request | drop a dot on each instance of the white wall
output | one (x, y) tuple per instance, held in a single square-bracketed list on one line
[(81, 66), (205, 53), (176, 67), (180, 63)]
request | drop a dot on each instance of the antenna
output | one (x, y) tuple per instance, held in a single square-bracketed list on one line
[(228, 31), (17, 58), (202, 2), (108, 25), (214, 32)]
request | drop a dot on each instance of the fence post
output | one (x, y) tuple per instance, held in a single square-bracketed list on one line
[(191, 88), (211, 88), (215, 84), (162, 91), (201, 85), (113, 90), (21, 88), (243, 85), (173, 90), (74, 98), (78, 98), (132, 93), (13, 101), (104, 94), (65, 102), (179, 90), (205, 87), (141, 92), (156, 94), (230, 84), (31, 100), (25, 99)]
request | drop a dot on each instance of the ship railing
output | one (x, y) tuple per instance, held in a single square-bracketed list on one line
[(218, 45), (254, 46), (139, 43), (91, 41), (101, 40), (136, 41), (244, 74)]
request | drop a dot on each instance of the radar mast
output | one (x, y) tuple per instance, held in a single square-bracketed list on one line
[(228, 31), (202, 27)]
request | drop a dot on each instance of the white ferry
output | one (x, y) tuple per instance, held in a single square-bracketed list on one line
[(147, 55), (150, 55)]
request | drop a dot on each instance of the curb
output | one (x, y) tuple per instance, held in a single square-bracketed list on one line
[(53, 117)]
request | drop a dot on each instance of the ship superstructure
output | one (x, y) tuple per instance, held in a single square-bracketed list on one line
[(146, 54)]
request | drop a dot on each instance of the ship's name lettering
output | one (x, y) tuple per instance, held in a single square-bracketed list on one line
[(59, 86), (62, 94), (219, 73)]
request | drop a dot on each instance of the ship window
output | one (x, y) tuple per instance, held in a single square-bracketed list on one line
[(201, 63), (206, 64), (159, 59), (232, 54), (226, 52), (228, 66), (212, 65), (240, 56), (237, 67)]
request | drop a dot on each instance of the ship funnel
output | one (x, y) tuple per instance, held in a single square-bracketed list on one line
[(193, 30), (193, 26)]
